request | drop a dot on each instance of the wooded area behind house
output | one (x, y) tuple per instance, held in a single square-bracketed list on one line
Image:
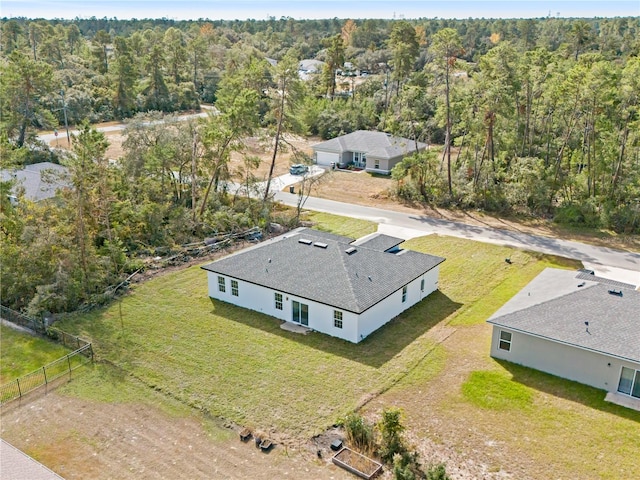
[(532, 117)]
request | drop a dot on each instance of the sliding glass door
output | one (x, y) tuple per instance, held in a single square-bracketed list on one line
[(300, 313)]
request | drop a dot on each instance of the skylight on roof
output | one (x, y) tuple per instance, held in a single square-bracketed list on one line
[(306, 241)]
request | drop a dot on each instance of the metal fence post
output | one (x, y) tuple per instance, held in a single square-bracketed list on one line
[(69, 363), (45, 376), (19, 389)]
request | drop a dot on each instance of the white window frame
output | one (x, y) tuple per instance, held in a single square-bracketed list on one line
[(422, 285), (277, 297), (222, 284), (337, 319), (404, 294), (503, 342), (234, 288)]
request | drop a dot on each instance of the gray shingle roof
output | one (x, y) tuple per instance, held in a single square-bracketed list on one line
[(351, 282), (379, 241), (321, 234), (614, 321), (39, 180), (374, 144), (582, 275)]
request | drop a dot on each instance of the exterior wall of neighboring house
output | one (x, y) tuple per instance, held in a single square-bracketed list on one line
[(382, 165), (392, 306), (345, 158), (566, 361), (322, 317)]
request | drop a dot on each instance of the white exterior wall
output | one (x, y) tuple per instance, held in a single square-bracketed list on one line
[(354, 327), (253, 297), (321, 320), (261, 299), (584, 366), (392, 306), (325, 158)]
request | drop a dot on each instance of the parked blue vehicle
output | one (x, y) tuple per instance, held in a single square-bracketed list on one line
[(298, 169)]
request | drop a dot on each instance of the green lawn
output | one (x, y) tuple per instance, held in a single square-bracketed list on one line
[(476, 275), (240, 365), (349, 227), (21, 353)]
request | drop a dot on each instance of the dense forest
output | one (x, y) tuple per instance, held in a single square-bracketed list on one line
[(532, 117)]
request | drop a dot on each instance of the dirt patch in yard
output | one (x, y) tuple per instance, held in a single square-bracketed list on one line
[(84, 439)]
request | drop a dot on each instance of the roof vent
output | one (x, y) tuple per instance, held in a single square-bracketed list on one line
[(351, 250), (617, 293), (320, 245), (305, 241)]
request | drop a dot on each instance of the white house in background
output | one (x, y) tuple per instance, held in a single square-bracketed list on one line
[(37, 181), (576, 326), (328, 283), (376, 152)]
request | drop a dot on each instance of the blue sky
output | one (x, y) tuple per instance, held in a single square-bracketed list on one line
[(298, 9)]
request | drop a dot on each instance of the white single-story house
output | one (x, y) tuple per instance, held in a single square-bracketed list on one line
[(576, 326), (376, 152), (325, 282), (37, 181)]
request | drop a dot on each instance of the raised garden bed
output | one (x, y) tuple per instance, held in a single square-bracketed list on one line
[(356, 463)]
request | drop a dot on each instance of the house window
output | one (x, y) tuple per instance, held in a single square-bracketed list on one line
[(404, 294), (629, 382), (234, 288), (278, 298), (377, 164), (422, 285), (337, 319), (505, 341), (222, 287)]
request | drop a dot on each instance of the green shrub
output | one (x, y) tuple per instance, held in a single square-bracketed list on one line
[(360, 433), (437, 472), (391, 429)]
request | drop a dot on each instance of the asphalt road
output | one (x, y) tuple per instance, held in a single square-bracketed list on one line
[(62, 134), (588, 254)]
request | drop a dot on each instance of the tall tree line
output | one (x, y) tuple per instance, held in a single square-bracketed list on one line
[(530, 116)]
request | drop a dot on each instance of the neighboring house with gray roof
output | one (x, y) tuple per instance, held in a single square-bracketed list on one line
[(326, 282), (38, 181), (575, 326), (376, 152)]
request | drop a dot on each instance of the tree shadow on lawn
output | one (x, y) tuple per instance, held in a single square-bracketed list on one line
[(569, 390), (375, 350)]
